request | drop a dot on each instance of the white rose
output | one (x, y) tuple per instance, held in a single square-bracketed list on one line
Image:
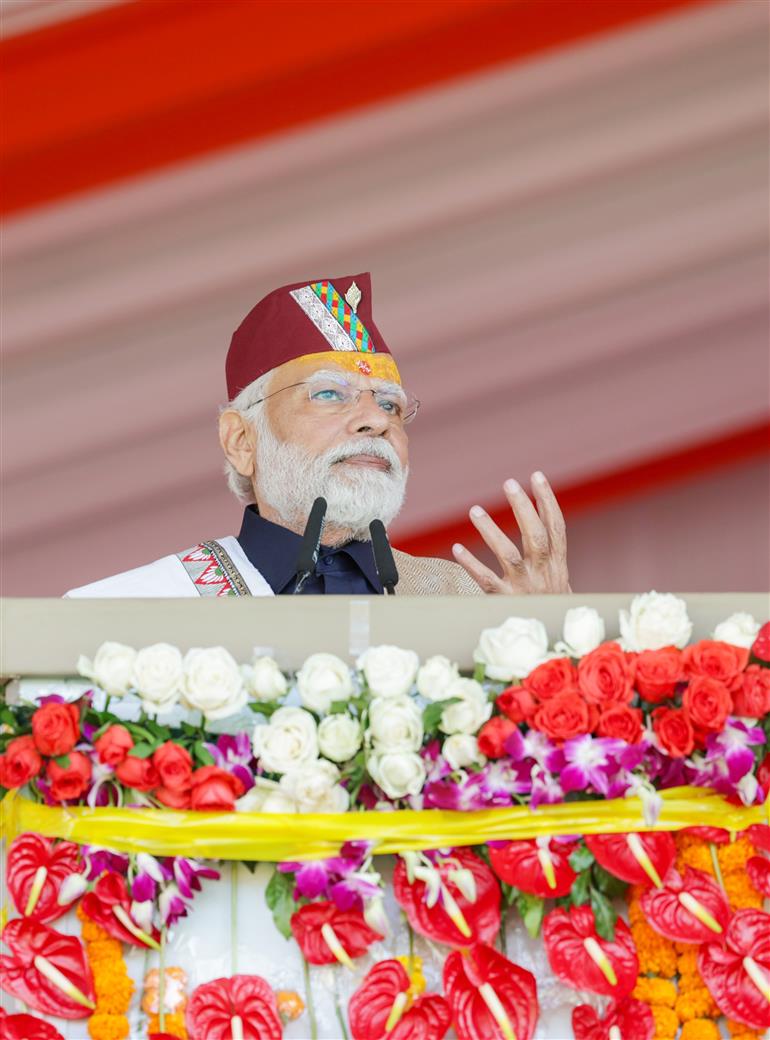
[(462, 750), (395, 724), (264, 679), (339, 737), (314, 788), (398, 773), (435, 677), (470, 712), (583, 631), (158, 676), (288, 740), (739, 629), (213, 682), (655, 620), (323, 678), (389, 670), (265, 796), (513, 650), (111, 669)]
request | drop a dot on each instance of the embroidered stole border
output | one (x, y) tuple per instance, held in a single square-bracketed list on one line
[(212, 572)]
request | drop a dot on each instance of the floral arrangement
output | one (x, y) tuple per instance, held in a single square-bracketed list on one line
[(585, 720)]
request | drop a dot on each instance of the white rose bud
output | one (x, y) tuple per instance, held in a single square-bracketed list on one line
[(158, 676), (583, 632), (462, 750), (513, 650), (655, 620), (323, 678), (264, 679), (288, 740), (111, 669), (339, 737), (213, 683), (314, 788), (265, 796), (435, 678), (398, 773), (389, 670), (395, 724), (739, 629), (470, 712)]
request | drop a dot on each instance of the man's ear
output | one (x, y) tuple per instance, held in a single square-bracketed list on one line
[(238, 439)]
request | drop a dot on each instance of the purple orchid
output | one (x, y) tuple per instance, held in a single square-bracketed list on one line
[(591, 762), (533, 745), (546, 789), (171, 906), (187, 874), (729, 752), (234, 753), (347, 879), (98, 860)]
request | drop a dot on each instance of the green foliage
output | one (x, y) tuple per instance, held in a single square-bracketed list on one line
[(532, 910), (607, 883), (142, 750), (580, 858), (605, 914), (63, 761), (278, 896), (431, 715), (479, 672), (581, 887), (266, 708), (202, 755)]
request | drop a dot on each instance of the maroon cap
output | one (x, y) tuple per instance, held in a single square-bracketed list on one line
[(307, 318)]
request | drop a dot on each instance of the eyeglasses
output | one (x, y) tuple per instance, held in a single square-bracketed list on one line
[(337, 395)]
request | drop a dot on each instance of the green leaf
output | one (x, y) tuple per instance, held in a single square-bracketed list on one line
[(278, 896), (580, 858), (479, 672), (607, 883), (338, 707), (63, 761), (141, 750), (579, 893), (431, 715), (605, 914), (532, 910), (139, 732), (202, 754), (265, 708)]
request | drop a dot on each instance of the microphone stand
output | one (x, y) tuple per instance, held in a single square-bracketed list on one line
[(311, 541), (383, 557)]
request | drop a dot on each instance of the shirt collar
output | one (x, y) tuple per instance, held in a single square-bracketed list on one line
[(273, 550)]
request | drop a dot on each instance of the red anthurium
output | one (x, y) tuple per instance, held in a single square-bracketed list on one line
[(737, 972), (243, 1006), (539, 867), (689, 909), (438, 902), (716, 835), (491, 997), (46, 970), (761, 646), (26, 1027), (758, 869), (629, 1020), (109, 905), (379, 1008), (37, 867), (327, 934), (583, 960), (642, 859), (759, 836)]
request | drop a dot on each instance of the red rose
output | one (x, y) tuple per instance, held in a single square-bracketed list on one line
[(20, 762), (606, 676), (658, 672), (214, 789), (707, 703), (716, 660), (674, 732), (56, 728), (517, 703), (113, 745), (621, 722), (174, 766), (551, 678), (69, 782), (564, 716), (173, 799), (137, 773), (761, 647), (493, 735), (752, 698)]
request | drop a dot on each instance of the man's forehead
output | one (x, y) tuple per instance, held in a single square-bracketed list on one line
[(356, 368)]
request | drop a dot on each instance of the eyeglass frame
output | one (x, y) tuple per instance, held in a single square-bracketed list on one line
[(359, 390)]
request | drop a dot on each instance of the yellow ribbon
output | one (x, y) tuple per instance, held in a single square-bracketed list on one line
[(288, 836)]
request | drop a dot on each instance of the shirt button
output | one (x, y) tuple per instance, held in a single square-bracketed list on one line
[(328, 560)]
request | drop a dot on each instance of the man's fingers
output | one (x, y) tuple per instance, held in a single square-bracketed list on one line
[(483, 576), (534, 537), (550, 513), (504, 549)]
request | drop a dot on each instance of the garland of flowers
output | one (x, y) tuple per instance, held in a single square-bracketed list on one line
[(174, 1002), (669, 982), (112, 983)]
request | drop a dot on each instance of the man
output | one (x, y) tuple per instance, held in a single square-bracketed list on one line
[(316, 408)]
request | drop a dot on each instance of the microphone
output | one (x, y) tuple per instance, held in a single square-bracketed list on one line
[(311, 540), (383, 557)]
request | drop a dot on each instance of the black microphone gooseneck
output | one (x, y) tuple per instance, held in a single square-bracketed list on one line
[(383, 557), (311, 540)]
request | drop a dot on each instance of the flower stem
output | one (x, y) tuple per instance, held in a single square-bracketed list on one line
[(309, 1000), (233, 918), (410, 930), (717, 868), (338, 1007), (162, 981), (502, 938)]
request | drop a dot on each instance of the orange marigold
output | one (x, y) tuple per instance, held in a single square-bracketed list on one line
[(741, 893), (655, 991), (666, 1023), (694, 1004), (739, 1030), (700, 1029), (104, 951), (697, 856), (173, 1024), (733, 857), (657, 955), (108, 1027), (91, 931), (687, 961)]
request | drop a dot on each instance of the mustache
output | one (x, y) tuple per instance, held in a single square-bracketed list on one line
[(365, 446)]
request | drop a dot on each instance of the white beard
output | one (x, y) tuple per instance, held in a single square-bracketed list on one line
[(290, 479)]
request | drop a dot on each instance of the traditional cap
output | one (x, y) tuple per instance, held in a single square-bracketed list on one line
[(305, 320)]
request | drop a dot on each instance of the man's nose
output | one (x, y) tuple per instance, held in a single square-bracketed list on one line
[(367, 417)]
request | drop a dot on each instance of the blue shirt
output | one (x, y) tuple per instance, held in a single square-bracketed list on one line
[(347, 570)]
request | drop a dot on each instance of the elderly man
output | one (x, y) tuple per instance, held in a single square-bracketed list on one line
[(316, 408)]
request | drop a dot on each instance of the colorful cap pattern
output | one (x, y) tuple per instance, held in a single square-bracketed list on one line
[(304, 319)]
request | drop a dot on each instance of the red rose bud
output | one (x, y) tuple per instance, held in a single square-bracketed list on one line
[(493, 735), (20, 763), (707, 703), (658, 672), (565, 715), (517, 704), (621, 722), (551, 678), (674, 731), (174, 765), (752, 698), (69, 782), (56, 728), (113, 745), (137, 773), (214, 789), (606, 676)]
